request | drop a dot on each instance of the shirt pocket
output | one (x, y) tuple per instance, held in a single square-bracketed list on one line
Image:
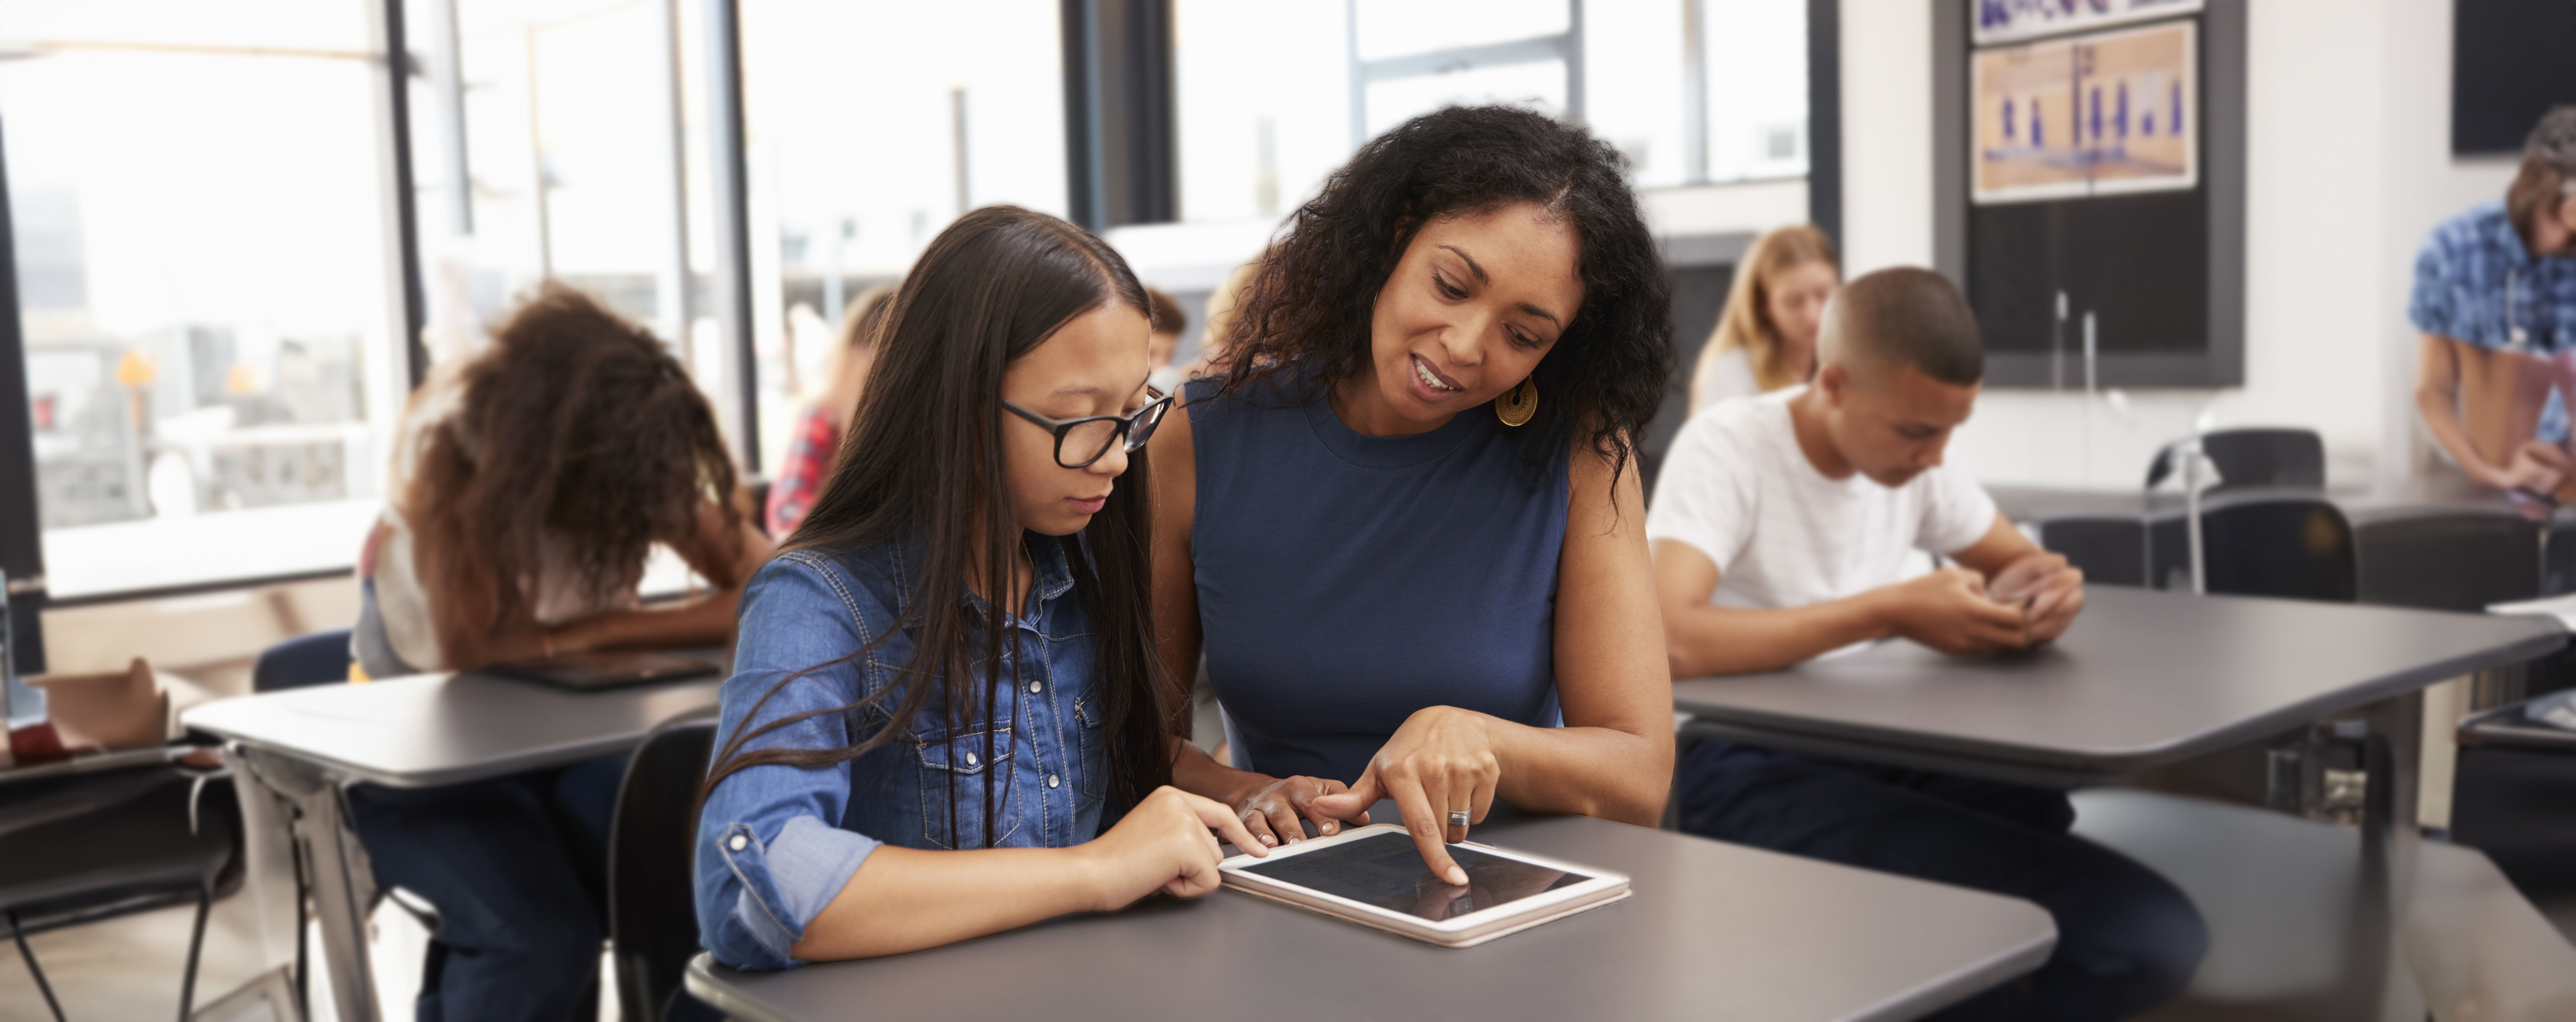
[(1091, 767), (956, 776)]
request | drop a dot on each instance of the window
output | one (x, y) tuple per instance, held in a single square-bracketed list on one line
[(869, 127), (203, 272)]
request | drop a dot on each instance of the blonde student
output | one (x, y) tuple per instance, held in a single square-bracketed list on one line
[(1766, 338), (946, 717)]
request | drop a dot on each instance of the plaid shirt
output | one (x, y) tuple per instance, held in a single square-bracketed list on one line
[(801, 474), (2475, 282)]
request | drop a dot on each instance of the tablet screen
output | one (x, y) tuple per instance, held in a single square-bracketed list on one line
[(1385, 870)]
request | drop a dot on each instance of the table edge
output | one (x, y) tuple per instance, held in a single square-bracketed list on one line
[(2546, 638)]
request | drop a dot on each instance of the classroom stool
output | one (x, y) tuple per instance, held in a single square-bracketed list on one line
[(652, 919)]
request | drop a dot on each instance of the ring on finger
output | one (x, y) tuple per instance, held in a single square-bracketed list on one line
[(1458, 817)]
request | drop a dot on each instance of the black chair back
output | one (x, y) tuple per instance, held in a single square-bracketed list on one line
[(2111, 550), (317, 659), (2258, 544), (652, 920), (2254, 458), (2558, 557), (2446, 558)]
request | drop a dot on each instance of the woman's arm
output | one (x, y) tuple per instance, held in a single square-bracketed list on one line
[(1270, 806), (724, 555), (1614, 756)]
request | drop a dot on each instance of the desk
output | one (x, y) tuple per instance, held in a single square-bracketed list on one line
[(1714, 931), (426, 731), (2142, 679)]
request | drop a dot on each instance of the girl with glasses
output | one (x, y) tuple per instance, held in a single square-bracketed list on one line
[(946, 717)]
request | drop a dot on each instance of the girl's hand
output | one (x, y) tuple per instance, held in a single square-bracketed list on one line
[(1441, 761), (1163, 845), (1273, 810)]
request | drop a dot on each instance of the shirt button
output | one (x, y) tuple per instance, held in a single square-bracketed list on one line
[(1037, 686), (1050, 780), (738, 843), (970, 759)]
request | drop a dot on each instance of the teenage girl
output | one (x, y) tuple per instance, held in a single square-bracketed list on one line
[(947, 716)]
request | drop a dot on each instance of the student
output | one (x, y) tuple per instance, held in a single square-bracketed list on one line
[(899, 766), (809, 457), (1405, 523), (1766, 338), (531, 484), (2495, 300), (1780, 528)]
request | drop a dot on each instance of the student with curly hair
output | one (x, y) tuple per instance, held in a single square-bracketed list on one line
[(1405, 524), (529, 487)]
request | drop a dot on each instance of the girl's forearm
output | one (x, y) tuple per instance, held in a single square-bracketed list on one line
[(907, 899)]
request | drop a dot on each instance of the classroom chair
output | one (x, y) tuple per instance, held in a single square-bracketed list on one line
[(2445, 558), (2110, 549), (2252, 458), (2558, 555), (2257, 543), (2511, 796), (652, 920), (320, 658), (81, 847)]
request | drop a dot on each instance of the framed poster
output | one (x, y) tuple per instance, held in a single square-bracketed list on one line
[(2097, 114), (1999, 21)]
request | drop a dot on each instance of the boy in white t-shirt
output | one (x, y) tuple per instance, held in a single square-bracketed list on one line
[(1780, 529)]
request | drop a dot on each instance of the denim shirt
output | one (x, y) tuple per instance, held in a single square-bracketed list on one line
[(777, 843)]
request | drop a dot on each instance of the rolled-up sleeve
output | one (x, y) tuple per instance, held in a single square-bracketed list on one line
[(771, 853), (2430, 303)]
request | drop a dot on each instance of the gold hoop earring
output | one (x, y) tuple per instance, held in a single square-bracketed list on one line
[(1517, 404)]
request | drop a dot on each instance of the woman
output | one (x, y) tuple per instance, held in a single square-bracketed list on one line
[(809, 456), (2495, 299), (1405, 525), (531, 484), (1766, 338), (891, 773)]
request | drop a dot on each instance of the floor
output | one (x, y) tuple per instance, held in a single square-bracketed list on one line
[(129, 968)]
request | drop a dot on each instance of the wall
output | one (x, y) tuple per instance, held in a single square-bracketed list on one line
[(2348, 166)]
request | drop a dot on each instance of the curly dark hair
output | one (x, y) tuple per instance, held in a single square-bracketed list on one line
[(578, 430), (1308, 307)]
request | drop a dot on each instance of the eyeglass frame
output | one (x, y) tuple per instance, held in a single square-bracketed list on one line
[(1160, 405)]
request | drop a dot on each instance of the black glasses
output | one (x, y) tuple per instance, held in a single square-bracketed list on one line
[(1089, 437)]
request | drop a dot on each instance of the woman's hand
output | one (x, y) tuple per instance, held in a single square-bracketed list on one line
[(1440, 762), (1163, 845), (1273, 811)]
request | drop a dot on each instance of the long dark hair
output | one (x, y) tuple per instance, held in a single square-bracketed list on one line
[(924, 456), (578, 432), (1309, 305)]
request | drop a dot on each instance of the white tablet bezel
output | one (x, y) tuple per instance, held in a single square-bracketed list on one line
[(1543, 904)]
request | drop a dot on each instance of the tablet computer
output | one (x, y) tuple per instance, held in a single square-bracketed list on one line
[(1375, 876), (600, 669)]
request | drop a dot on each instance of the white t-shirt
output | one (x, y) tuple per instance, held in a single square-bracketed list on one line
[(1726, 376), (1736, 487)]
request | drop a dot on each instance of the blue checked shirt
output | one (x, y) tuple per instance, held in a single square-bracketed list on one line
[(2475, 282)]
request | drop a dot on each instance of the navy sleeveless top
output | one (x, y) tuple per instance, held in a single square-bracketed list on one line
[(1346, 581)]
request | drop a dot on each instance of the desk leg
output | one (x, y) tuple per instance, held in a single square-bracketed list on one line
[(2388, 848), (341, 892)]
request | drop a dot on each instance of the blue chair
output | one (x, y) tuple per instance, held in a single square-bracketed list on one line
[(317, 659)]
